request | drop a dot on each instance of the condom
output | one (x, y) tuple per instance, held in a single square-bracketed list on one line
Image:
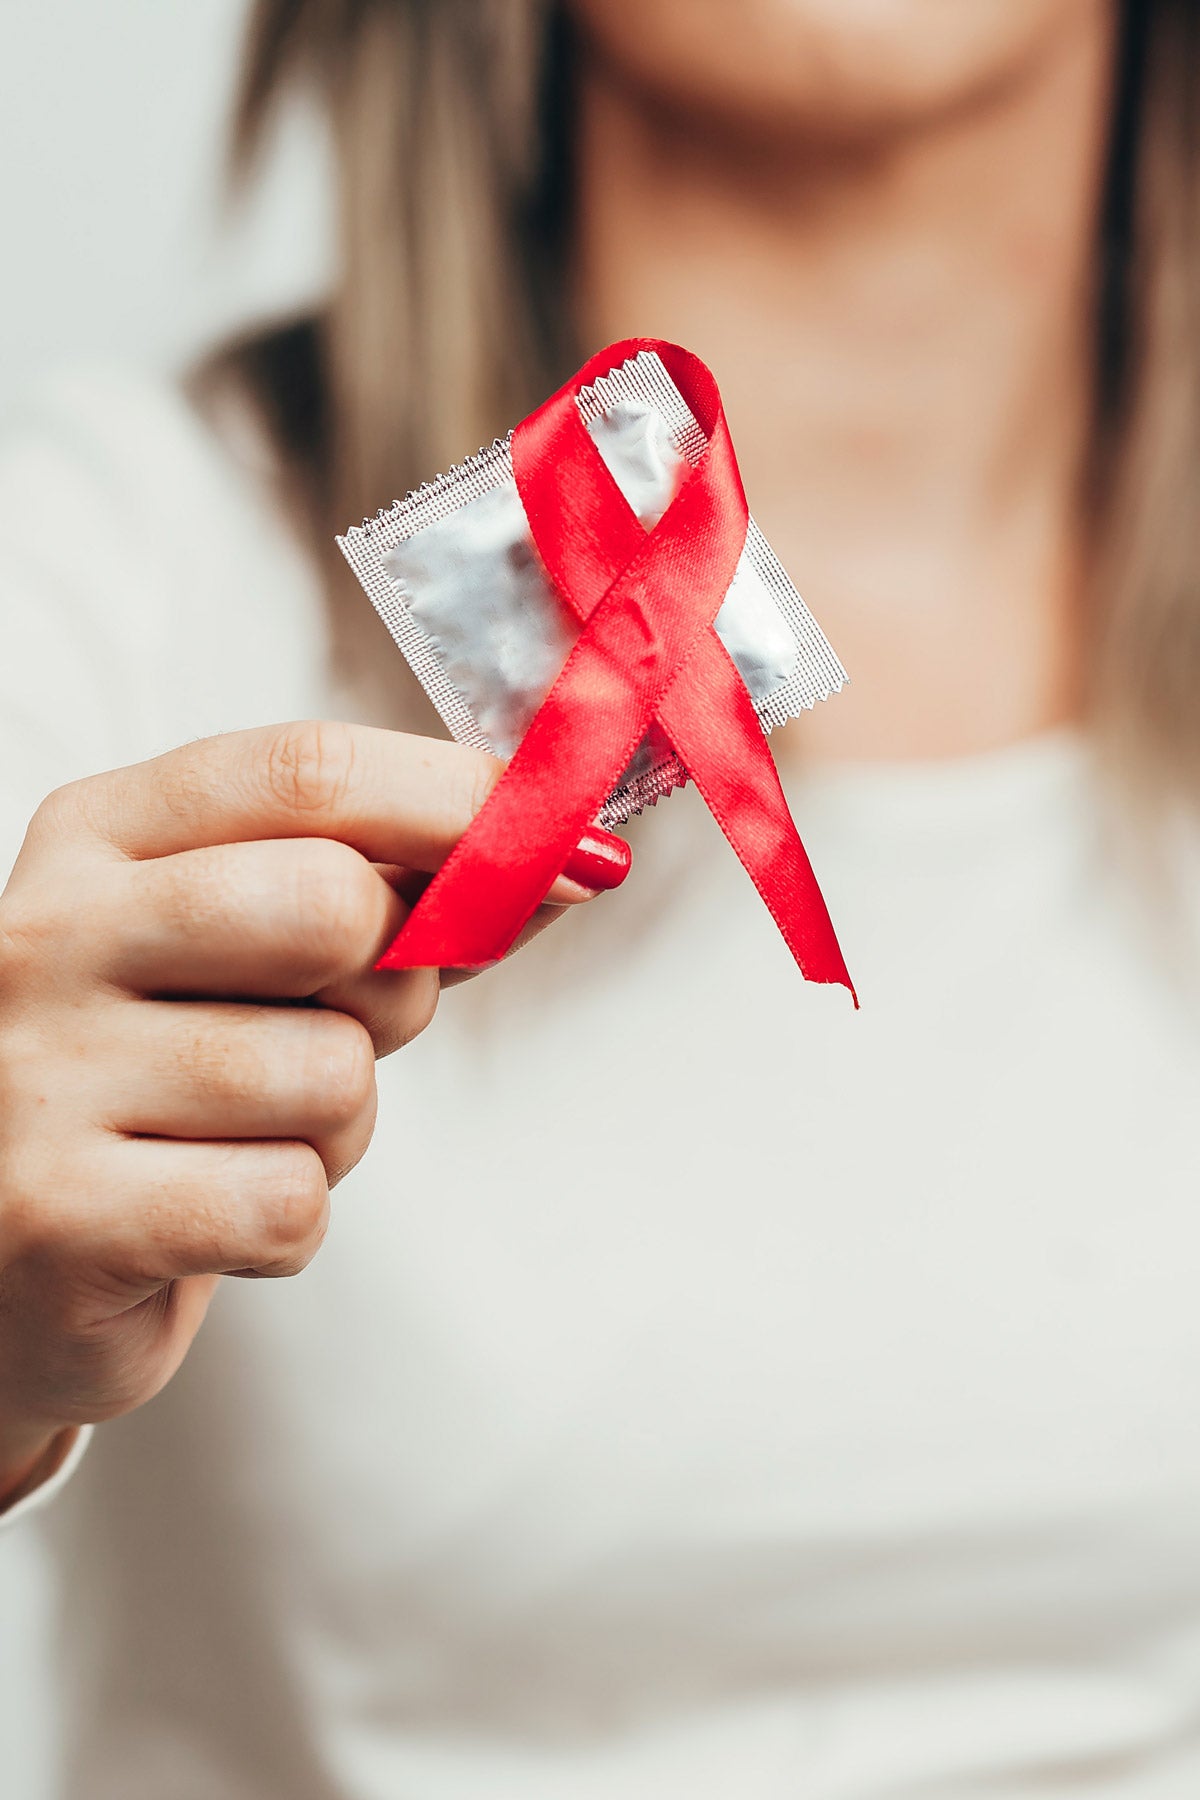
[(590, 600), (454, 574)]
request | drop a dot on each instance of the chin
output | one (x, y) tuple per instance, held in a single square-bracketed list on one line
[(835, 68)]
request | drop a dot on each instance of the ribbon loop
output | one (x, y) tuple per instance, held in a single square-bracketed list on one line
[(647, 651)]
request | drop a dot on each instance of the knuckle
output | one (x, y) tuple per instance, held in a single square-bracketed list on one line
[(338, 907), (44, 931), (297, 1210), (63, 810), (47, 1211), (26, 1224), (350, 1153), (33, 930), (342, 1072), (25, 1076), (22, 934), (310, 765)]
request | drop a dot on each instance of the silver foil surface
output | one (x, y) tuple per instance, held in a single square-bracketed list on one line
[(455, 576)]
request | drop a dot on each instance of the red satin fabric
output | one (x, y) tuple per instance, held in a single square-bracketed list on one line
[(647, 601)]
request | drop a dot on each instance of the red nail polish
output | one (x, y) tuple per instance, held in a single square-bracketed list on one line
[(599, 861)]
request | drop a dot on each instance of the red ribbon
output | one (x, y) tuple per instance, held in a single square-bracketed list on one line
[(647, 650)]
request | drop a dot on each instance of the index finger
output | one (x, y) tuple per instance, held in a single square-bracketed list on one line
[(393, 797)]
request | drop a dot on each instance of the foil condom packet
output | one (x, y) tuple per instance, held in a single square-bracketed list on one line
[(453, 572)]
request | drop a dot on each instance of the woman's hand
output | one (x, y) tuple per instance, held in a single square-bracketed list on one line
[(163, 1118)]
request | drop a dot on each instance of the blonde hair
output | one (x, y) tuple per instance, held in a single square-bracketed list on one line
[(449, 124)]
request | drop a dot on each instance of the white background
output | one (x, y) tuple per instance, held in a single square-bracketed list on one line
[(112, 114)]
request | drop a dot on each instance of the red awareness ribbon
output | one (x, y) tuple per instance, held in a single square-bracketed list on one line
[(647, 650)]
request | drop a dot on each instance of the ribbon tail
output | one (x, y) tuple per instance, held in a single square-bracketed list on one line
[(710, 719)]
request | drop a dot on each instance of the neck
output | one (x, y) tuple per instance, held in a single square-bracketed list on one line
[(902, 335)]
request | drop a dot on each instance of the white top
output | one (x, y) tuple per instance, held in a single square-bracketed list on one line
[(705, 1391)]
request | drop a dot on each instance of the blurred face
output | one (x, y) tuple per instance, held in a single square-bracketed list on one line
[(830, 68)]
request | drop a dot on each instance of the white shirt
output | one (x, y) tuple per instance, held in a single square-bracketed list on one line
[(706, 1392)]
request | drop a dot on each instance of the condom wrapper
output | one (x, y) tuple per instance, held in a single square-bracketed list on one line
[(589, 599)]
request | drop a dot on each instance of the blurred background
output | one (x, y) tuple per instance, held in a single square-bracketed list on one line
[(118, 248), (111, 122)]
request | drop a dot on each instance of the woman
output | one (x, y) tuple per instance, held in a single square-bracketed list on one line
[(703, 1390)]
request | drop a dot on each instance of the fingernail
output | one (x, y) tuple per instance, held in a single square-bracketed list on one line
[(599, 861)]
